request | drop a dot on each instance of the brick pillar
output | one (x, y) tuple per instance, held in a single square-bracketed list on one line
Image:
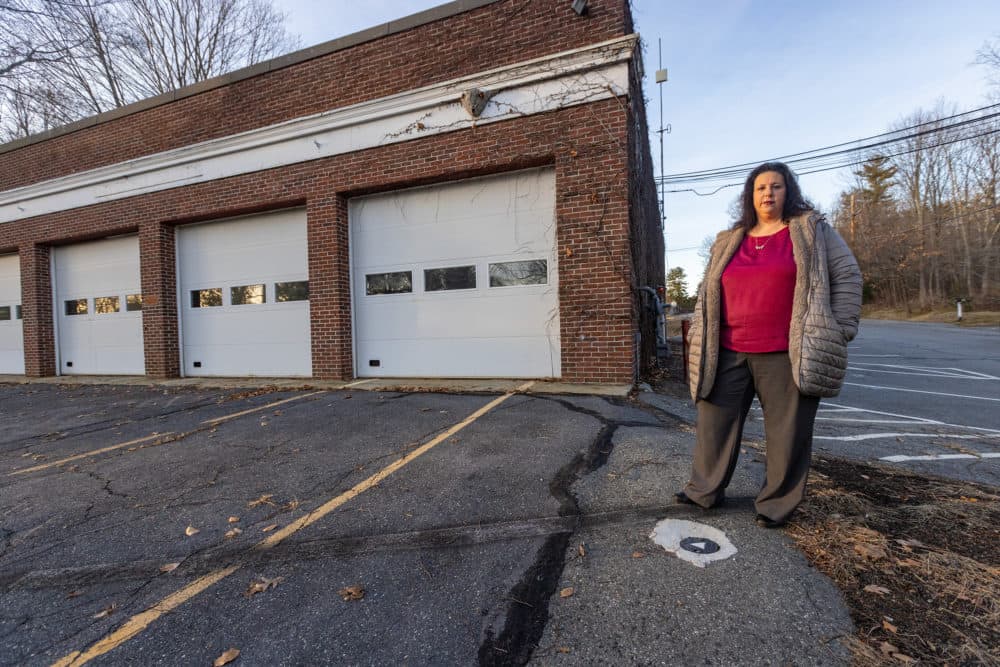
[(596, 313), (36, 309), (329, 288), (159, 300)]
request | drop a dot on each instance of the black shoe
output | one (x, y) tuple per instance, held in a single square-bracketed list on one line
[(767, 522), (682, 498)]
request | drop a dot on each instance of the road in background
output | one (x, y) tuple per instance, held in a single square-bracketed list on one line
[(924, 396)]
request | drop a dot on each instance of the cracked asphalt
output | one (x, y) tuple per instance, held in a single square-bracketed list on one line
[(463, 552)]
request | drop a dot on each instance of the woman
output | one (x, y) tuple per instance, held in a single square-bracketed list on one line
[(780, 300)]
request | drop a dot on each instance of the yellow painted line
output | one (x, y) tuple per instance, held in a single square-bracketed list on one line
[(320, 512), (209, 422), (141, 621), (87, 454), (219, 420)]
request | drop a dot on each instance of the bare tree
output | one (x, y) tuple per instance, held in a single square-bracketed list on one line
[(988, 56), (103, 54)]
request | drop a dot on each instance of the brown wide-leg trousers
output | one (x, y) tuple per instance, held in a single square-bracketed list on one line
[(788, 428)]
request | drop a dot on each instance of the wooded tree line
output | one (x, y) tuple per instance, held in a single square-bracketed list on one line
[(924, 220), (62, 60)]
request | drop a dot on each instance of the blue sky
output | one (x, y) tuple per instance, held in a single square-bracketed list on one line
[(757, 79)]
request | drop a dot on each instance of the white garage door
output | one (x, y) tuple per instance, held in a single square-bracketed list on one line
[(11, 336), (457, 280), (244, 296), (98, 300)]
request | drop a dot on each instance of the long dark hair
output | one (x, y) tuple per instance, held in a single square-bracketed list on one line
[(795, 203)]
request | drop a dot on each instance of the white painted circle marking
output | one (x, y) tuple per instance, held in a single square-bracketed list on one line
[(693, 542)]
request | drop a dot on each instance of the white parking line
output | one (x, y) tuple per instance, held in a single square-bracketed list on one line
[(867, 421), (877, 436), (923, 371), (916, 420), (899, 458), (920, 391)]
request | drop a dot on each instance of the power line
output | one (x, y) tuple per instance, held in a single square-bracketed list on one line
[(846, 143), (827, 159), (843, 165)]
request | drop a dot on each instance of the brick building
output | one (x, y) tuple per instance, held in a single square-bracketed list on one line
[(465, 192)]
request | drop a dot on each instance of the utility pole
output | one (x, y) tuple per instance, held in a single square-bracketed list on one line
[(852, 218)]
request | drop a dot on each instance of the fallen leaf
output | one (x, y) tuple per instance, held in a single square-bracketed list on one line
[(566, 592), (291, 505), (969, 500), (563, 649), (107, 611), (872, 551), (581, 550), (278, 413), (261, 585), (233, 519), (888, 648), (865, 477), (908, 562), (227, 657), (638, 554), (230, 534), (169, 567), (878, 590), (912, 543), (268, 529), (265, 499), (351, 593), (902, 657), (191, 530), (886, 625), (73, 594)]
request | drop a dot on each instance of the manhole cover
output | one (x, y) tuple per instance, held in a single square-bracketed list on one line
[(693, 542), (699, 545)]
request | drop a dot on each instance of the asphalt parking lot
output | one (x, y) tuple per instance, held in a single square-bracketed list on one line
[(164, 526)]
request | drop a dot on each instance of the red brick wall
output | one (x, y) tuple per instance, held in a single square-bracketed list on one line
[(492, 36), (587, 145)]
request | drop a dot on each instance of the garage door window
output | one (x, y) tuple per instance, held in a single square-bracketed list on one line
[(76, 307), (133, 302), (453, 277), (17, 312), (106, 304), (206, 298), (398, 282), (243, 295), (292, 291), (509, 274), (4, 313)]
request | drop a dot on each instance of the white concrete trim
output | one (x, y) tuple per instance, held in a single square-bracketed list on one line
[(579, 76)]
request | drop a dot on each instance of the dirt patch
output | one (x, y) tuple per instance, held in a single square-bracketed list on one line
[(970, 318), (916, 558)]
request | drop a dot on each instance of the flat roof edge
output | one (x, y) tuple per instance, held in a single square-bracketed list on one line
[(287, 60)]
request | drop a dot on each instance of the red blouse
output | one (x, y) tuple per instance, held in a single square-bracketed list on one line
[(758, 285)]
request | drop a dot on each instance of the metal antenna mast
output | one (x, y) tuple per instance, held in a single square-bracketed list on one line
[(661, 78)]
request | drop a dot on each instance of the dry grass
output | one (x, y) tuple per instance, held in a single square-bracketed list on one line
[(975, 318), (915, 557)]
